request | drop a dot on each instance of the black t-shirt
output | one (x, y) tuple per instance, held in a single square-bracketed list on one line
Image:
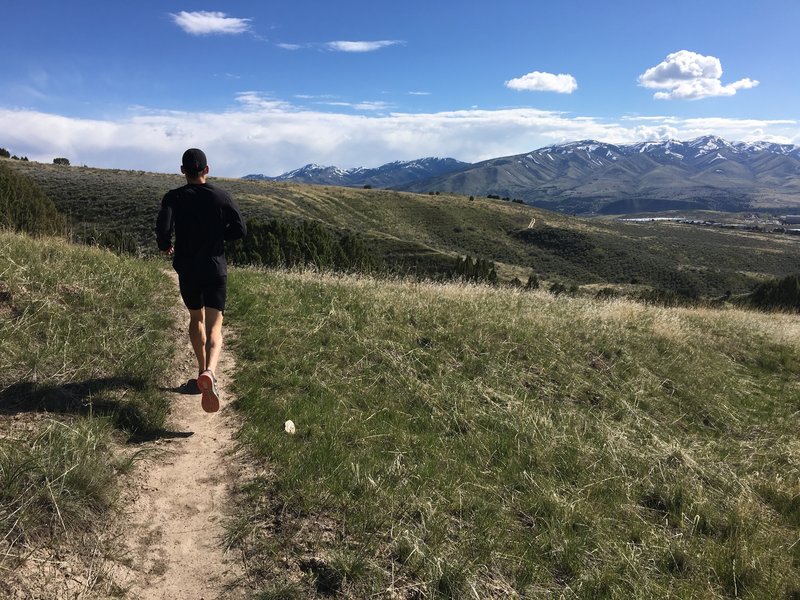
[(203, 217)]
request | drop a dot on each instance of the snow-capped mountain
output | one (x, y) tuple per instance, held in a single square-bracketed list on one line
[(389, 175), (596, 177), (589, 176)]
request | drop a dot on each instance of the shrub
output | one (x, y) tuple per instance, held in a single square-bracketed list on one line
[(25, 208), (117, 241), (606, 293), (475, 270)]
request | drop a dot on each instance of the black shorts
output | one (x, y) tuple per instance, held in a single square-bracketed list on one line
[(200, 291)]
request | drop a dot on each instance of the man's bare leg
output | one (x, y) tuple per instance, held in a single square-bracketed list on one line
[(207, 380), (213, 330), (198, 337)]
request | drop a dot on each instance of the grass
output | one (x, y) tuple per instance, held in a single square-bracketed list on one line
[(457, 441), (83, 332), (83, 344), (56, 481)]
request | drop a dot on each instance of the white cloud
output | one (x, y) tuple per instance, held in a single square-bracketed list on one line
[(690, 76), (204, 23), (419, 93), (544, 82), (257, 101), (290, 46), (261, 134), (345, 46), (366, 105)]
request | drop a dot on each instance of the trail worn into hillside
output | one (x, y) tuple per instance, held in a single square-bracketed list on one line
[(175, 531)]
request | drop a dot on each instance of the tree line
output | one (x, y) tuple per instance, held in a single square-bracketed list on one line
[(281, 244), (7, 154), (277, 243), (778, 294)]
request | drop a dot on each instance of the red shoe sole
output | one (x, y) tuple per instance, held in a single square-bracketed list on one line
[(210, 401)]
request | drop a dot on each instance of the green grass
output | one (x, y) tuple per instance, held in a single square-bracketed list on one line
[(83, 343), (83, 331), (423, 233), (457, 441), (55, 481)]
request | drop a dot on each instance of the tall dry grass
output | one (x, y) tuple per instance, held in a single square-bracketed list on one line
[(465, 441)]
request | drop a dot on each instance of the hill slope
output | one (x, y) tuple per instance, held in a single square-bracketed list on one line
[(84, 343), (451, 440), (425, 233), (458, 441)]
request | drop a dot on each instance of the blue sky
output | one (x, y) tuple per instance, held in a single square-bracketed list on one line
[(265, 87)]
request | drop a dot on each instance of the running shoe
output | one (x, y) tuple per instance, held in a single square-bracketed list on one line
[(208, 387)]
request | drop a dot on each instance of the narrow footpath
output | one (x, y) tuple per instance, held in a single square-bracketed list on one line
[(175, 530)]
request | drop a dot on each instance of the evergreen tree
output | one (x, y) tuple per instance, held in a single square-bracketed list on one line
[(281, 244), (778, 294)]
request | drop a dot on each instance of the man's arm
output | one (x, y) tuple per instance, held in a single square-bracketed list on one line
[(164, 226), (235, 227)]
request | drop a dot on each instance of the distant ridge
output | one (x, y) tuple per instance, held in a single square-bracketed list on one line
[(707, 173), (386, 176), (590, 177)]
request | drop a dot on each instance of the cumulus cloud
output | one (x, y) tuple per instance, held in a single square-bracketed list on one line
[(261, 134), (205, 23), (544, 82), (690, 76), (346, 46)]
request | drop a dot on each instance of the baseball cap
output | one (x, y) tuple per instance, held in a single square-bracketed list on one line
[(194, 161)]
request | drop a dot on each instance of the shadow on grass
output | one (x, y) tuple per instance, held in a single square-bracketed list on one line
[(89, 398)]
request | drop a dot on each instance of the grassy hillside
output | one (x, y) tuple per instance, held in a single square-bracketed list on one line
[(425, 233), (83, 343), (452, 441), (469, 442)]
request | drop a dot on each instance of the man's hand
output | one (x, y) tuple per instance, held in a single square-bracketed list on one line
[(169, 251)]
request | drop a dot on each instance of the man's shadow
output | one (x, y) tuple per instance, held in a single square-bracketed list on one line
[(87, 398)]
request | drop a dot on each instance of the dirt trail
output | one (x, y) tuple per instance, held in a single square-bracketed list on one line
[(176, 522)]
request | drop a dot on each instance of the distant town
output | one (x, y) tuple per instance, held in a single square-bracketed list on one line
[(750, 222)]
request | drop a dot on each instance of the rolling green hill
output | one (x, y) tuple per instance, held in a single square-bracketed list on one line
[(425, 233)]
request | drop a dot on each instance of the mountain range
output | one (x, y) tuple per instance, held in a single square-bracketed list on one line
[(391, 175), (590, 177)]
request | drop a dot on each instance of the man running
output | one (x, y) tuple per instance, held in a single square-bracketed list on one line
[(202, 217)]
